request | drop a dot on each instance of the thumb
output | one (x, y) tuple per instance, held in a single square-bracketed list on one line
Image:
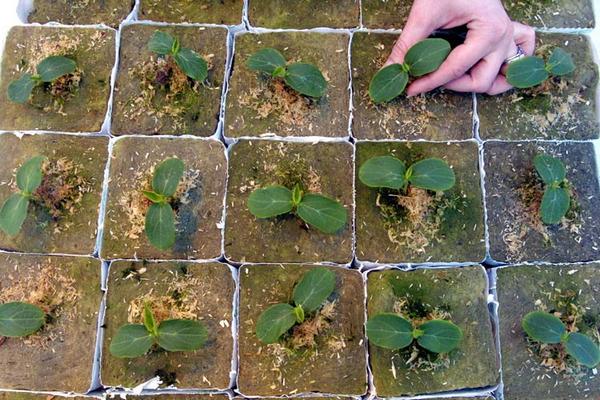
[(418, 27)]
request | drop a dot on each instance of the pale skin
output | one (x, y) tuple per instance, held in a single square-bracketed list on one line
[(477, 65)]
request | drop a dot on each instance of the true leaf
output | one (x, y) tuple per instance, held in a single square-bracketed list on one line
[(130, 341), (274, 322), (161, 43), (306, 79), (13, 213), (549, 168), (439, 336), (20, 89), (389, 331), (560, 62), (384, 171), (181, 335), (29, 175), (555, 204), (270, 201), (388, 83), (543, 327), (426, 56), (266, 60), (154, 197), (149, 321), (527, 72), (325, 214), (160, 226), (167, 176), (583, 349), (54, 67), (432, 174), (192, 64), (20, 319), (314, 288)]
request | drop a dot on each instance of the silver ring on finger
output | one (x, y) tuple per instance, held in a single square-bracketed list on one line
[(520, 54)]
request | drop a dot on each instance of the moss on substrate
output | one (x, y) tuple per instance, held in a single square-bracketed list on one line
[(552, 13), (81, 12), (61, 219), (513, 194), (198, 205), (336, 365), (385, 14), (522, 289), (259, 105), (94, 52), (59, 357), (561, 108), (226, 12), (457, 294), (303, 14), (142, 105), (453, 229), (175, 290), (434, 116), (324, 168)]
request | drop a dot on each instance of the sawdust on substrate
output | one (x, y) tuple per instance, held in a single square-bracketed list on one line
[(531, 9), (54, 292)]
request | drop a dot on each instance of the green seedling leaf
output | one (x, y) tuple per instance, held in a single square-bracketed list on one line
[(149, 321), (29, 175), (527, 72), (543, 327), (555, 204), (384, 171), (160, 226), (306, 79), (161, 43), (325, 214), (560, 62), (439, 336), (314, 288), (13, 213), (299, 311), (426, 56), (549, 168), (583, 349), (181, 335), (53, 67), (389, 331), (266, 60), (388, 83), (274, 322), (270, 201), (431, 174), (20, 89), (192, 64), (154, 197), (167, 176), (20, 319), (130, 341)]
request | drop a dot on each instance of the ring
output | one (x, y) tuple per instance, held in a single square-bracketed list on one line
[(520, 54)]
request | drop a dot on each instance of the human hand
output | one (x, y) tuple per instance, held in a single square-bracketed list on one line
[(477, 64)]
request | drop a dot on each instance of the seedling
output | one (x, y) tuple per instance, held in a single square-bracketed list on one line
[(421, 59), (14, 209), (321, 212), (557, 199), (532, 70), (135, 340), (160, 218), (309, 295), (19, 319), (50, 69), (304, 78), (547, 328), (389, 172), (393, 332), (188, 60)]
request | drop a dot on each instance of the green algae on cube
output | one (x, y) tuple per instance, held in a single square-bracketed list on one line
[(574, 14), (59, 357), (433, 116), (81, 12), (198, 200), (63, 212), (76, 102), (258, 105), (455, 294), (561, 108), (331, 361), (225, 12), (513, 199), (177, 290), (324, 168), (385, 14), (144, 103), (304, 14), (534, 372)]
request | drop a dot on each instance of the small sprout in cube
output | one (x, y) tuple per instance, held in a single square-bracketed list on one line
[(557, 197), (165, 45), (308, 297), (546, 328), (423, 58), (321, 212), (532, 70), (304, 78), (19, 319), (135, 340)]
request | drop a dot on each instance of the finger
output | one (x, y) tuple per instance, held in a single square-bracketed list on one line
[(500, 85), (524, 37), (481, 77)]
